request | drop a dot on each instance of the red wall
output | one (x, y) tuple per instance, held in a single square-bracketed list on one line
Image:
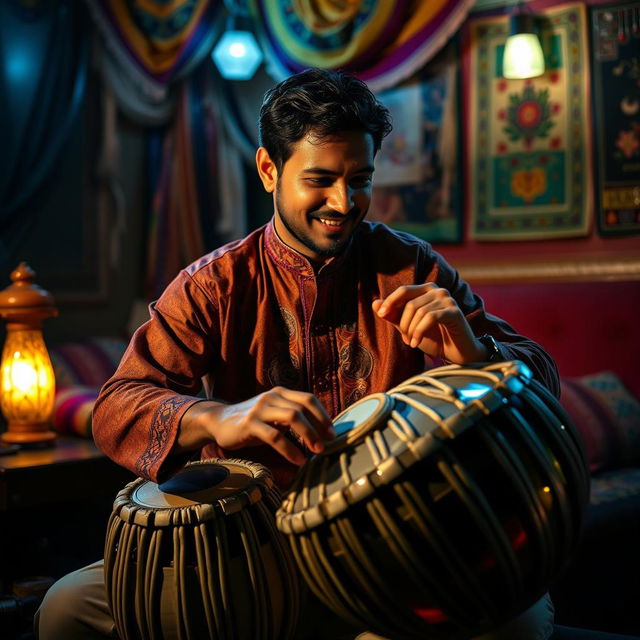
[(586, 327)]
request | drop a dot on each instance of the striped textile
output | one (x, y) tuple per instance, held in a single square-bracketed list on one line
[(381, 41), (81, 368), (188, 207), (73, 409), (175, 236), (148, 45), (88, 363), (160, 38)]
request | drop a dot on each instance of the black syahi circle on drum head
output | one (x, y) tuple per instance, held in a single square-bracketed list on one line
[(199, 556), (445, 508)]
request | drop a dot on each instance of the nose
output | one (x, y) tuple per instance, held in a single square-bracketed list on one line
[(341, 199)]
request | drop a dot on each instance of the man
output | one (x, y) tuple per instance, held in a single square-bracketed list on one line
[(290, 325), (304, 316)]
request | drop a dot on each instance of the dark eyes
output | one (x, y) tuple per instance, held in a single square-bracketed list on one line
[(320, 182), (359, 182)]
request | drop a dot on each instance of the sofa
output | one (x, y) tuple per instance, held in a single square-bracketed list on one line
[(589, 330)]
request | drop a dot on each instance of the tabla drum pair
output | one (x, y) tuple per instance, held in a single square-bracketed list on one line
[(199, 557), (444, 507)]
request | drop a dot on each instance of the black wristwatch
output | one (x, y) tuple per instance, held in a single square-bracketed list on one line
[(493, 350)]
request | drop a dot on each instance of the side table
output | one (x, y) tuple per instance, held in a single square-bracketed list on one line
[(54, 507)]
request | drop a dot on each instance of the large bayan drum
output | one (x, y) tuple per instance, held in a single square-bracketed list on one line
[(446, 507), (199, 556)]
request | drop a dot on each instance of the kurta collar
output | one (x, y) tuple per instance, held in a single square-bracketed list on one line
[(291, 259)]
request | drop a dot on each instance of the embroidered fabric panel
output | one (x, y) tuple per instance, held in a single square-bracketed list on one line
[(615, 59), (530, 143), (162, 425)]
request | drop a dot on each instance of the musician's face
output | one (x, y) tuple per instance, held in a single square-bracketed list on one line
[(322, 192)]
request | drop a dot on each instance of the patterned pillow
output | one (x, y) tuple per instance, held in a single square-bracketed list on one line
[(611, 486), (73, 410), (607, 416), (88, 363), (81, 368)]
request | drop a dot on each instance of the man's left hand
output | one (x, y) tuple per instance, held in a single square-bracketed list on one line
[(428, 318)]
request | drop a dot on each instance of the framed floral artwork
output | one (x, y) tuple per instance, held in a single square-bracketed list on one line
[(529, 162)]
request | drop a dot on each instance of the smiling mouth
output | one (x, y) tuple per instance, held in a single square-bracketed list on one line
[(331, 222)]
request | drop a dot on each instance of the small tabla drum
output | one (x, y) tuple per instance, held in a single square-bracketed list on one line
[(444, 507), (200, 556)]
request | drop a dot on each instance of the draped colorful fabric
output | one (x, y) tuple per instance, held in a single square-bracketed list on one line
[(43, 71), (381, 41), (187, 208), (150, 44)]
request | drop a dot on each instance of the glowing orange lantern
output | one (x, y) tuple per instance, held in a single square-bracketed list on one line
[(27, 384)]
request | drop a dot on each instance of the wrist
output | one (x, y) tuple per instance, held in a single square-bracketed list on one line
[(489, 350), (194, 431)]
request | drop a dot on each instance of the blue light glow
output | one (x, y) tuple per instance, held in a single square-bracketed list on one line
[(19, 64), (237, 55), (472, 391)]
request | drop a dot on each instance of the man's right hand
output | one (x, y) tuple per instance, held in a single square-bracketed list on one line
[(263, 419)]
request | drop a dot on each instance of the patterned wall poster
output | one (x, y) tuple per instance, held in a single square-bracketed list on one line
[(417, 177), (529, 142), (616, 104)]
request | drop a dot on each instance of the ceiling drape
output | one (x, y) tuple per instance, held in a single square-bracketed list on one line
[(150, 45), (381, 41)]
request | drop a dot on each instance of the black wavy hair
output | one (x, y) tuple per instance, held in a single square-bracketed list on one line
[(322, 102)]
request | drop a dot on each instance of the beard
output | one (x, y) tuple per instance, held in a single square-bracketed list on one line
[(331, 247)]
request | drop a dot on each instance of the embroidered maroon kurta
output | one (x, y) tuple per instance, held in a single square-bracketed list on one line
[(252, 315)]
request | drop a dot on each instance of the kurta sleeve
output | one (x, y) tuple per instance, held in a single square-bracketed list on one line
[(512, 345), (138, 411)]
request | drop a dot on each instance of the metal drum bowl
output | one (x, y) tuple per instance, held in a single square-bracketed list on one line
[(444, 507)]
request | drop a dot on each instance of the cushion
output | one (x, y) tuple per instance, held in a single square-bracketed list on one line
[(81, 368), (607, 416), (73, 410), (611, 486), (88, 363)]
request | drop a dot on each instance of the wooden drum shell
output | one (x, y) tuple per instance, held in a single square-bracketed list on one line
[(213, 570)]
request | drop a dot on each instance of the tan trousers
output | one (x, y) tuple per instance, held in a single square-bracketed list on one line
[(75, 608)]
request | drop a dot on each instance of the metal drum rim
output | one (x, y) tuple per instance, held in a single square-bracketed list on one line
[(357, 433)]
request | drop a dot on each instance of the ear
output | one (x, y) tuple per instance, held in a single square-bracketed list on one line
[(266, 170)]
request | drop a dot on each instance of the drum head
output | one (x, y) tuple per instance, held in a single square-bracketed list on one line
[(206, 482), (355, 421)]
